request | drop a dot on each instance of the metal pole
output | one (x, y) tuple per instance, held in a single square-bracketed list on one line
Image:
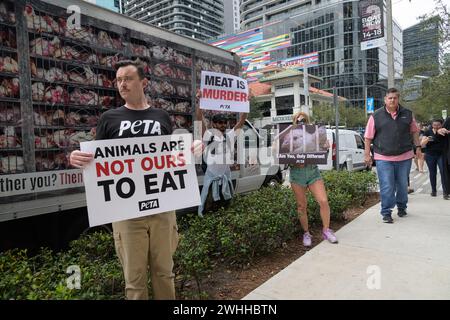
[(365, 93), (306, 89), (390, 45), (336, 108)]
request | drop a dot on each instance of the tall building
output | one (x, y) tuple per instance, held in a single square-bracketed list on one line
[(421, 47), (332, 29), (113, 5), (199, 19), (255, 13), (231, 16)]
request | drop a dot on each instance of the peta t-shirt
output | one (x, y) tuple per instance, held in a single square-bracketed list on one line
[(128, 123)]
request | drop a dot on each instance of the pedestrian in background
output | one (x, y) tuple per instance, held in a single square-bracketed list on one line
[(392, 128), (433, 147)]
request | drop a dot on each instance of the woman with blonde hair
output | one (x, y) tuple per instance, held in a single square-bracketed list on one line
[(303, 177)]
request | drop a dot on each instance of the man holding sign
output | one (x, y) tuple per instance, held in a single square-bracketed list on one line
[(148, 240), (224, 92)]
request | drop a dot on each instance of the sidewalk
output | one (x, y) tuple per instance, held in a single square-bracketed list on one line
[(411, 256)]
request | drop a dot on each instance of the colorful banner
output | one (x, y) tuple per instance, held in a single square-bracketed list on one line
[(136, 177), (371, 24), (253, 49), (224, 92)]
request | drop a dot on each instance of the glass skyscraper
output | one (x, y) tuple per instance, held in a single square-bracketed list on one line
[(331, 28), (421, 47)]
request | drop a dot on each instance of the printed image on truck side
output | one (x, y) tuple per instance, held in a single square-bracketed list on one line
[(56, 79)]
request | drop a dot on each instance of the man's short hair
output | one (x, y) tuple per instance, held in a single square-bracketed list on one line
[(125, 63), (219, 117), (438, 120), (393, 90)]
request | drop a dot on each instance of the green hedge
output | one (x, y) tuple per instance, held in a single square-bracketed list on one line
[(253, 225)]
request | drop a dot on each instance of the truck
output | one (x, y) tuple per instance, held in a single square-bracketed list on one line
[(57, 78)]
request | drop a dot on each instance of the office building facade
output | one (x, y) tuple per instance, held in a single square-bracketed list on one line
[(421, 48), (231, 16), (199, 19), (331, 28)]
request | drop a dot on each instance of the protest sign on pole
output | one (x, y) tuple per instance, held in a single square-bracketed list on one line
[(301, 144), (23, 183), (136, 177), (224, 92)]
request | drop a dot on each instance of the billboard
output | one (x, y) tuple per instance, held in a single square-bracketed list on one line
[(371, 24)]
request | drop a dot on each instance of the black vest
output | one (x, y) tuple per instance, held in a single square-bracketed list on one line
[(392, 137)]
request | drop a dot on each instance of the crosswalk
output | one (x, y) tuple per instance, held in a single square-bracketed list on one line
[(420, 182)]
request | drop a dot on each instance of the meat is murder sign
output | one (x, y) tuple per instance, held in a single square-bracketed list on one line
[(302, 144), (224, 92), (136, 177)]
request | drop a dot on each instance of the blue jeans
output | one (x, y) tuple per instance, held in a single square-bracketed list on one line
[(393, 178), (433, 162)]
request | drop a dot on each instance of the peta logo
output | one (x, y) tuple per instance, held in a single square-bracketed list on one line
[(148, 204), (145, 126)]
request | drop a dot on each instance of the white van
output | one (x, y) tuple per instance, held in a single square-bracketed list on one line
[(351, 151)]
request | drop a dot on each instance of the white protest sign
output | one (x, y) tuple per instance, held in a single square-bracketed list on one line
[(136, 177), (23, 183), (224, 92)]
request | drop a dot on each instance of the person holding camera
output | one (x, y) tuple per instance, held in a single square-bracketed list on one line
[(434, 147)]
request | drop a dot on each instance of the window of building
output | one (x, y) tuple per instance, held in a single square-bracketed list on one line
[(285, 103), (348, 10)]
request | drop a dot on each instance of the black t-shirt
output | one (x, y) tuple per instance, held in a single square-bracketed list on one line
[(435, 147), (127, 123)]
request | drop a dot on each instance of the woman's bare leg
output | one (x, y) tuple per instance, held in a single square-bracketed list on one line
[(300, 197), (320, 194)]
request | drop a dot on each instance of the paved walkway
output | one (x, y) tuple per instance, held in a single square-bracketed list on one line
[(409, 259)]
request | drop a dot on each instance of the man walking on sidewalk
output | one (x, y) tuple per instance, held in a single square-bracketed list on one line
[(392, 128)]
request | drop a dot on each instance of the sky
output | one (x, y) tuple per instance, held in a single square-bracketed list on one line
[(406, 12)]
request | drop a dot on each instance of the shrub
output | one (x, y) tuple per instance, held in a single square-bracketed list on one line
[(253, 225)]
